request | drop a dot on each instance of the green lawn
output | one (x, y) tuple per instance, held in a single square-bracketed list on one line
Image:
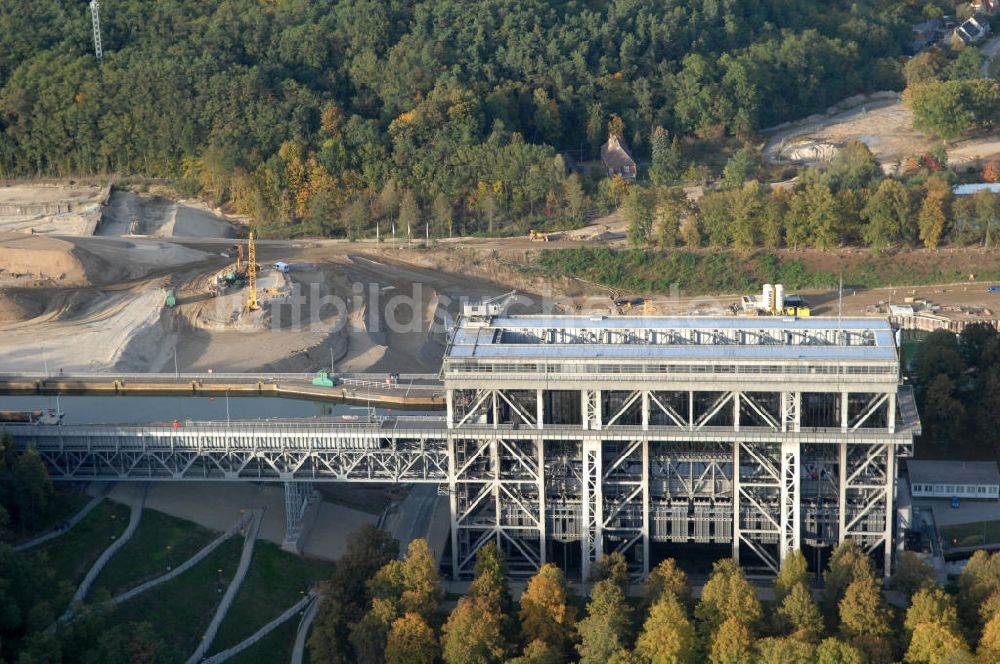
[(65, 503), (64, 561), (181, 609), (160, 543), (275, 647), (276, 580), (979, 533)]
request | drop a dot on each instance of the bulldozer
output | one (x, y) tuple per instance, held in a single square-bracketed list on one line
[(539, 236)]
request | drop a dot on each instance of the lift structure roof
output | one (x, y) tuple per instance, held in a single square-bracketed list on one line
[(674, 338)]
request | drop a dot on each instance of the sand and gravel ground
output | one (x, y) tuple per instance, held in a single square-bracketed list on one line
[(158, 216), (51, 209), (885, 125)]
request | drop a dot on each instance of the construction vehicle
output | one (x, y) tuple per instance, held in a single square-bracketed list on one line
[(252, 304), (324, 378), (538, 236), (171, 300)]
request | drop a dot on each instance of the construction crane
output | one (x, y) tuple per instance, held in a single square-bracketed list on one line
[(252, 276)]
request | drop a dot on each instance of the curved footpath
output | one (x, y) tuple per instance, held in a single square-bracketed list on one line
[(227, 599), (187, 564), (138, 500), (75, 519), (299, 651), (266, 629)]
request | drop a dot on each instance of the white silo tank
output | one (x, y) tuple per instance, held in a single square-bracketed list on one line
[(767, 304), (779, 299)]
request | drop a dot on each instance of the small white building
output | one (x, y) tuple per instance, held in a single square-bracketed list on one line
[(947, 479)]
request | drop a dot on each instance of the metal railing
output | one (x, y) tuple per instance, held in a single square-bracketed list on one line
[(404, 382)]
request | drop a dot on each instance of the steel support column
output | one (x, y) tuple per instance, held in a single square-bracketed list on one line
[(297, 495), (791, 504), (592, 540)]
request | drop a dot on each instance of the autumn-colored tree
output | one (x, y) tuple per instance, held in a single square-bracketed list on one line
[(731, 643), (794, 571), (538, 652), (573, 195), (672, 207), (932, 605), (991, 171), (989, 642), (640, 205), (667, 577), (409, 213), (690, 232), (727, 594), (848, 563), (369, 635), (774, 650), (979, 580), (411, 641), (835, 651), (990, 607), (490, 578), (799, 615), (474, 633), (421, 582), (934, 212), (444, 215), (328, 637), (932, 643), (616, 126), (667, 636), (607, 627), (388, 199), (546, 613), (887, 216), (746, 211), (875, 649), (863, 610), (911, 573), (612, 566)]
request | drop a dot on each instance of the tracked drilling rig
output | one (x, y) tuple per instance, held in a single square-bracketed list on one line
[(252, 304)]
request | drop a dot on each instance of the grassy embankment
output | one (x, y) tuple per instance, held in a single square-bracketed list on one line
[(723, 271), (63, 562), (181, 608), (160, 543), (276, 581)]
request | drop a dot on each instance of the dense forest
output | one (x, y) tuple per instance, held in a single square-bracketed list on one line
[(957, 384), (320, 117)]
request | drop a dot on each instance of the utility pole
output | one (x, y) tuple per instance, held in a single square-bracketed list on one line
[(95, 15)]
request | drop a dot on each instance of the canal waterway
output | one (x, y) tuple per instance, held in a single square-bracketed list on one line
[(143, 409)]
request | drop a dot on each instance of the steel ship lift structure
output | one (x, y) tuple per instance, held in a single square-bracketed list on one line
[(592, 434)]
